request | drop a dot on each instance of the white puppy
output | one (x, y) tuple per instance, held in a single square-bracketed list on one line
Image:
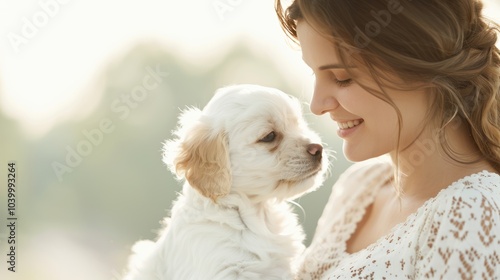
[(243, 157)]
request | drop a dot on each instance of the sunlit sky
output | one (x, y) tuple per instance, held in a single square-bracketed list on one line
[(52, 51), (44, 78)]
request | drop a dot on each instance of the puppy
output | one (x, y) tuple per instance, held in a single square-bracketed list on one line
[(243, 156)]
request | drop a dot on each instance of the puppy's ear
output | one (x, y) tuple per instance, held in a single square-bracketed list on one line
[(201, 156)]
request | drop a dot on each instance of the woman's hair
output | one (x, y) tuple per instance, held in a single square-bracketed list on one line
[(445, 45)]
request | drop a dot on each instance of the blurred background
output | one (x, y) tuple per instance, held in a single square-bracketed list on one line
[(89, 90)]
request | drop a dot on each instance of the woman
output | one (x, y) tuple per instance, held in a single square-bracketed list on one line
[(420, 84)]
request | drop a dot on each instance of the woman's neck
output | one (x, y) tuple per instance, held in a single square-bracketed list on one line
[(425, 168)]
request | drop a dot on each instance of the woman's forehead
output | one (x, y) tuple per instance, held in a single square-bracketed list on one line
[(317, 51)]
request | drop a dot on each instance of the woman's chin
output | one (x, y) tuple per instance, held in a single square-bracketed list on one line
[(354, 153)]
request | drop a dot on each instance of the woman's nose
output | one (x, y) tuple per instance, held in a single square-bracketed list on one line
[(323, 100)]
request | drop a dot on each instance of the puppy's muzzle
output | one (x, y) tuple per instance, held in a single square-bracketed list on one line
[(316, 151)]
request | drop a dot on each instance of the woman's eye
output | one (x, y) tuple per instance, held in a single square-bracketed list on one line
[(269, 137), (340, 82), (343, 83)]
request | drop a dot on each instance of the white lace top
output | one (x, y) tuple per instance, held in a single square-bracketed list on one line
[(455, 235)]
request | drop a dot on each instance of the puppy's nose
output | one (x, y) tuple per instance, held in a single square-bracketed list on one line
[(315, 150)]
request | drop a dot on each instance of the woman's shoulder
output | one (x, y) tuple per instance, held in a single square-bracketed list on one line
[(472, 189), (461, 228), (466, 200)]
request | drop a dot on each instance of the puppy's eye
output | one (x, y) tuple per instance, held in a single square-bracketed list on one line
[(269, 138)]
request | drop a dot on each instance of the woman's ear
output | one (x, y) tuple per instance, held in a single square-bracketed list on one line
[(201, 156)]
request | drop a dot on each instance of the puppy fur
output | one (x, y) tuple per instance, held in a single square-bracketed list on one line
[(243, 157)]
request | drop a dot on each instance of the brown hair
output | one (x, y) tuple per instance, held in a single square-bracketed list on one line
[(446, 45)]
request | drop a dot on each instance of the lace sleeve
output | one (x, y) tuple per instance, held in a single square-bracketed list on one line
[(462, 237)]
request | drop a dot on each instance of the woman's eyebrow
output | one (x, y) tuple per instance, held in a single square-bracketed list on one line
[(333, 66)]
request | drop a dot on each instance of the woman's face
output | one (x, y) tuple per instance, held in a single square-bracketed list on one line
[(368, 125)]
